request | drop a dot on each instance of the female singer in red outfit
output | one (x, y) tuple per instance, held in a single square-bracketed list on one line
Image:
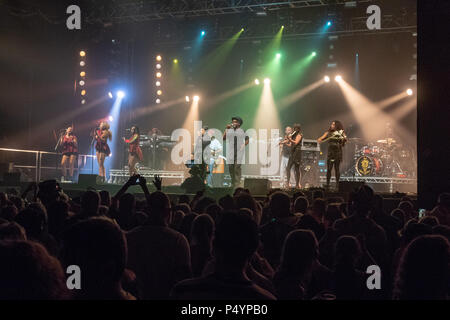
[(69, 146), (102, 135), (134, 150)]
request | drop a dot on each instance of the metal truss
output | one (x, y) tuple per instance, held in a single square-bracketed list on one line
[(120, 175), (140, 11), (384, 180)]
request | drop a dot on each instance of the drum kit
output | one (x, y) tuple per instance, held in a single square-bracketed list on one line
[(383, 158)]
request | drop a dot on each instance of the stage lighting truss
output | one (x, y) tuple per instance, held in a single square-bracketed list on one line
[(158, 80), (82, 77)]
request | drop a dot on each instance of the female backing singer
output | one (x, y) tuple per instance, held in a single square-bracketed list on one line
[(102, 134), (69, 145), (134, 150), (336, 140), (295, 139)]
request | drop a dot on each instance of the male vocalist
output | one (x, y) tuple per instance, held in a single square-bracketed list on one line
[(234, 166)]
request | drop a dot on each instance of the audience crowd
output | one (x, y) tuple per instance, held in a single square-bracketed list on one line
[(284, 247)]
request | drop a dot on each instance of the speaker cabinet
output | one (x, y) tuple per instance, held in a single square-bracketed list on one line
[(87, 180), (349, 186), (258, 186)]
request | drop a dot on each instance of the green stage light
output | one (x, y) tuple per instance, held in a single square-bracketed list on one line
[(278, 55), (314, 54), (175, 61)]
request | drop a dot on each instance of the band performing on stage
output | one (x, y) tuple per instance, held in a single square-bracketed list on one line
[(299, 166)]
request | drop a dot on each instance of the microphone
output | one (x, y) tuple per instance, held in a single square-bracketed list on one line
[(292, 134)]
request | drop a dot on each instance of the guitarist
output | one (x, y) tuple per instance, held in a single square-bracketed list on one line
[(336, 140)]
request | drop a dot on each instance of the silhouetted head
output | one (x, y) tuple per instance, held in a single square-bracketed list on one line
[(227, 203), (347, 251), (90, 200), (201, 204), (423, 273), (280, 204), (245, 200), (214, 211), (413, 230), (127, 203), (18, 202), (363, 200), (98, 247), (159, 207), (301, 204), (308, 222), (400, 215), (34, 220), (29, 272), (332, 214), (202, 230), (300, 251), (12, 231), (9, 212), (236, 239)]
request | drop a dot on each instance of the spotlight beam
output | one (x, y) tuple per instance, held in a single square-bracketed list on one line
[(370, 117), (290, 99)]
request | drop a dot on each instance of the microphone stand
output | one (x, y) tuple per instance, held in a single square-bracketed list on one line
[(61, 132), (92, 152)]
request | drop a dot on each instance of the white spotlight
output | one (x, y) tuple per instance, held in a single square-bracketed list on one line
[(187, 99), (158, 66), (266, 80), (326, 79), (196, 98), (158, 101), (158, 83), (257, 82), (110, 95), (120, 94), (338, 78), (409, 92), (110, 118)]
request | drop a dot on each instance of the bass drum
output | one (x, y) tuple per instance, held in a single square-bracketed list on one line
[(368, 166)]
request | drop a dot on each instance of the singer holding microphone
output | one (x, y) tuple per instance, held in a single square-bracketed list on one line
[(295, 139), (69, 145), (134, 150), (234, 165), (102, 135)]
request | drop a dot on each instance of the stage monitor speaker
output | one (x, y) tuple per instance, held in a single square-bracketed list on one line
[(258, 186), (87, 180), (11, 178), (349, 186)]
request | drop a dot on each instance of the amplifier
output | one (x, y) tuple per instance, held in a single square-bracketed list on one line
[(310, 145)]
